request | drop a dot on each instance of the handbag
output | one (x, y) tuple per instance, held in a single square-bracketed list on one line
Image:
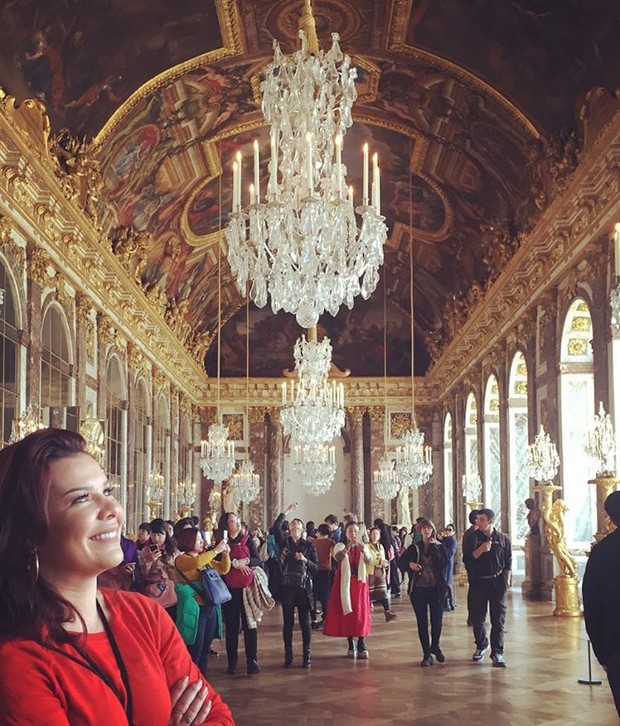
[(162, 592), (214, 590)]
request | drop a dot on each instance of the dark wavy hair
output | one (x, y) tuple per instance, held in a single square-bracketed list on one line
[(29, 606)]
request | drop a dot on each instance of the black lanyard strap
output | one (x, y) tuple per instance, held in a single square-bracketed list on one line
[(86, 661)]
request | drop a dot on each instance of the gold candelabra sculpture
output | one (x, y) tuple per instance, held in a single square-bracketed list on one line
[(543, 463), (155, 491)]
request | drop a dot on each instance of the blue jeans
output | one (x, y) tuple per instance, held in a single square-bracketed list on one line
[(206, 632)]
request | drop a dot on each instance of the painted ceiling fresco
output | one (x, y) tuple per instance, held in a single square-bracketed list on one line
[(462, 99)]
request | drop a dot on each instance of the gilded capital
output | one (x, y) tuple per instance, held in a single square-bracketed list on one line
[(136, 359), (356, 413), (83, 308), (37, 263), (160, 380), (377, 414)]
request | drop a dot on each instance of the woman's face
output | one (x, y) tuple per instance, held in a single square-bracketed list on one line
[(158, 538), (426, 531), (353, 533), (200, 544), (85, 520), (375, 536)]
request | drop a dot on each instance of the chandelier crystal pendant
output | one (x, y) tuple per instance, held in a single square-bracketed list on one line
[(472, 487), (542, 457), (601, 445), (217, 453), (385, 482), (414, 463), (312, 406), (186, 494), (315, 467), (246, 482), (299, 242)]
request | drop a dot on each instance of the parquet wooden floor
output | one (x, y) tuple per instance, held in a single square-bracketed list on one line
[(545, 655)]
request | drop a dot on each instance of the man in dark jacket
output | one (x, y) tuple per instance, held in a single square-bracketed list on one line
[(601, 595), (299, 566), (488, 558)]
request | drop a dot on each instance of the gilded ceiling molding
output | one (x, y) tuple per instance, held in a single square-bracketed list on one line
[(73, 242), (234, 44), (131, 247), (401, 13), (563, 235)]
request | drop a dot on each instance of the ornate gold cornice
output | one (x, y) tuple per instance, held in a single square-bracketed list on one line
[(65, 234), (564, 234)]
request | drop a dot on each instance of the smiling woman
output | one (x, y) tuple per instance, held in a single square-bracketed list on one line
[(83, 655)]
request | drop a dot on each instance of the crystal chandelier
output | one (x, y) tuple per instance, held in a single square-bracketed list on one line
[(542, 457), (217, 454), (155, 489), (414, 464), (385, 483), (472, 486), (246, 482), (186, 494), (315, 467), (312, 406), (300, 242), (602, 444), (27, 423)]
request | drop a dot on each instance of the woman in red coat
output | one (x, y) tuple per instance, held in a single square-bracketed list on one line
[(82, 655), (348, 612)]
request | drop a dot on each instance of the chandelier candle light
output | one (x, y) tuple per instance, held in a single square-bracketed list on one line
[(602, 444), (300, 243), (543, 459)]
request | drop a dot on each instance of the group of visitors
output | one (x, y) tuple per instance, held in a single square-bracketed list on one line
[(64, 603)]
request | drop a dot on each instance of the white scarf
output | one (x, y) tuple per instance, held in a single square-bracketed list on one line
[(345, 577)]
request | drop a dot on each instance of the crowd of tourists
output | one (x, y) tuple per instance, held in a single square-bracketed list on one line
[(68, 604)]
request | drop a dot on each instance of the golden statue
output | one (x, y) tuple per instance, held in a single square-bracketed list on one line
[(554, 531)]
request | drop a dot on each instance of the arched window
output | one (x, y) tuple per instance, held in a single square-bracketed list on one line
[(116, 435), (471, 435), (56, 383), (576, 416), (137, 506), (518, 472), (448, 480), (492, 476), (9, 380)]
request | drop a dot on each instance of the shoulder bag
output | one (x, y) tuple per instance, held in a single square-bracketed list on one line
[(214, 590)]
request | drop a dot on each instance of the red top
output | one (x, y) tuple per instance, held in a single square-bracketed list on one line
[(38, 686)]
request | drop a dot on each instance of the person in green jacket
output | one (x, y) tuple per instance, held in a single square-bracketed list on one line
[(196, 620)]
